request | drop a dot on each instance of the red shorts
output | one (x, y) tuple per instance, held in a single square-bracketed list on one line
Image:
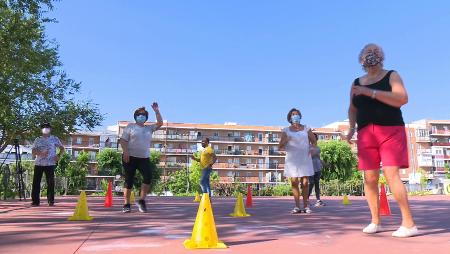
[(382, 146)]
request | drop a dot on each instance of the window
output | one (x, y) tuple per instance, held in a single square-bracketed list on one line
[(236, 161), (92, 155), (249, 148), (76, 153), (216, 147), (91, 141), (69, 141), (79, 140), (249, 161), (260, 137), (216, 134), (237, 134)]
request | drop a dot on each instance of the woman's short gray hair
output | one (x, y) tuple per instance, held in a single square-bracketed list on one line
[(380, 50)]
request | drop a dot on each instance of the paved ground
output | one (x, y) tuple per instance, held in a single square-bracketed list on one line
[(334, 228)]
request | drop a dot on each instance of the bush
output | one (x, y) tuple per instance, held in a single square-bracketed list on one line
[(282, 190)]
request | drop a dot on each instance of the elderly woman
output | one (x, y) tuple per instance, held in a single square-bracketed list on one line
[(375, 101), (296, 140)]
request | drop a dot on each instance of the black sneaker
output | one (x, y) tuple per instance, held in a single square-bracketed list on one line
[(126, 208), (142, 206), (51, 204), (34, 204)]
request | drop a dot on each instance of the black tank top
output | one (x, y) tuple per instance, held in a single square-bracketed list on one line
[(372, 111)]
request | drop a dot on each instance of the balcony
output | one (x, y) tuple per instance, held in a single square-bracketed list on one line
[(438, 143), (422, 139), (249, 152), (249, 166), (196, 138), (87, 145), (440, 132)]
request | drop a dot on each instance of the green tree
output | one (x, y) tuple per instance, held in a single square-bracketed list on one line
[(33, 85), (63, 164), (109, 162), (177, 182), (339, 160), (76, 173)]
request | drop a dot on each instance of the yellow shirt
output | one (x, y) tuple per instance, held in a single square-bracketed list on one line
[(206, 158)]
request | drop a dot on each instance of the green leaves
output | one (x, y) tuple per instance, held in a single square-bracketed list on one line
[(340, 161), (34, 88), (109, 162)]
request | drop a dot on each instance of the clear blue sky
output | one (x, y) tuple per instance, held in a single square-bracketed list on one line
[(250, 61)]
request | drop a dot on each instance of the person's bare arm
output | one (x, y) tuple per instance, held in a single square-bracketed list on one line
[(352, 110), (124, 145), (214, 159), (159, 120), (396, 98), (283, 141), (312, 138)]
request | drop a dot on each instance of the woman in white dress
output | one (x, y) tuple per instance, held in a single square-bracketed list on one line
[(296, 140)]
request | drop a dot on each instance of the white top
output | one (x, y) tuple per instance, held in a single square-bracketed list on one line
[(139, 139), (48, 144), (298, 157)]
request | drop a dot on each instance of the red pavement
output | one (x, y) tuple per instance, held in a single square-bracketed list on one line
[(334, 228)]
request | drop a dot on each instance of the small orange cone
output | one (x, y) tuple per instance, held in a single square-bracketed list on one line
[(385, 210), (108, 198), (249, 200)]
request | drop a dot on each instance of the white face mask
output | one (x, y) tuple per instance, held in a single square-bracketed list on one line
[(46, 131)]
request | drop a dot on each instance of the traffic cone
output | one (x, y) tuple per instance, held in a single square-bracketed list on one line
[(239, 209), (81, 210), (385, 210), (108, 197), (204, 234), (132, 198), (249, 200), (197, 197), (346, 201)]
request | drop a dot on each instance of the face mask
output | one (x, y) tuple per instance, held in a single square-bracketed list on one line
[(141, 119), (296, 119), (46, 131), (371, 59)]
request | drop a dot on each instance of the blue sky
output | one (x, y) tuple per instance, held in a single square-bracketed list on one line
[(250, 61)]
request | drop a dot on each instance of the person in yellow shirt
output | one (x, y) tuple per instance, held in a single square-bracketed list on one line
[(207, 159)]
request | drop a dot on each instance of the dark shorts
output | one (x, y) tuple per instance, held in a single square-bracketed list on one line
[(141, 164), (382, 146)]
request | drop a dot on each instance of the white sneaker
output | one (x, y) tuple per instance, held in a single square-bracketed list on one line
[(372, 228), (405, 232), (307, 210)]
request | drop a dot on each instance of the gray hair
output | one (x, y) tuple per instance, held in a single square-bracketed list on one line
[(361, 53)]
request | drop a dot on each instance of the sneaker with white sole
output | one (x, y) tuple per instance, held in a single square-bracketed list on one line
[(296, 210), (405, 232), (372, 228), (307, 210)]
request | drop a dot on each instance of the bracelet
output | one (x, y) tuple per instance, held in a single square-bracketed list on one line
[(374, 94)]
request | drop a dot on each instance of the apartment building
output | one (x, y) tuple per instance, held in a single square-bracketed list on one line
[(246, 153)]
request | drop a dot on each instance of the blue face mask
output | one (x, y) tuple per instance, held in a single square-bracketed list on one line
[(296, 119), (141, 119)]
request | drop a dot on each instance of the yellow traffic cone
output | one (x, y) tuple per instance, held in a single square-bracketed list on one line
[(197, 197), (204, 234), (132, 198), (239, 209), (346, 201), (81, 210)]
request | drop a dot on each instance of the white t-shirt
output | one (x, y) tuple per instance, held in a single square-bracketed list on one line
[(48, 144), (139, 139)]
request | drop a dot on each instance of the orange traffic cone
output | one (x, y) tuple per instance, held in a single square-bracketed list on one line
[(249, 201), (108, 198), (384, 204)]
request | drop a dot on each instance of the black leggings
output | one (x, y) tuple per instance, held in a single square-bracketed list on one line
[(36, 189), (141, 164), (314, 182)]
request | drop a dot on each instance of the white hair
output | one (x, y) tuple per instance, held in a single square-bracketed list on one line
[(363, 50)]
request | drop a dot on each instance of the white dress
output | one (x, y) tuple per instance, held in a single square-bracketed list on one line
[(298, 161)]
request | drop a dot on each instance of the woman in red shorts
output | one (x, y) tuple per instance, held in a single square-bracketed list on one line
[(375, 101)]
